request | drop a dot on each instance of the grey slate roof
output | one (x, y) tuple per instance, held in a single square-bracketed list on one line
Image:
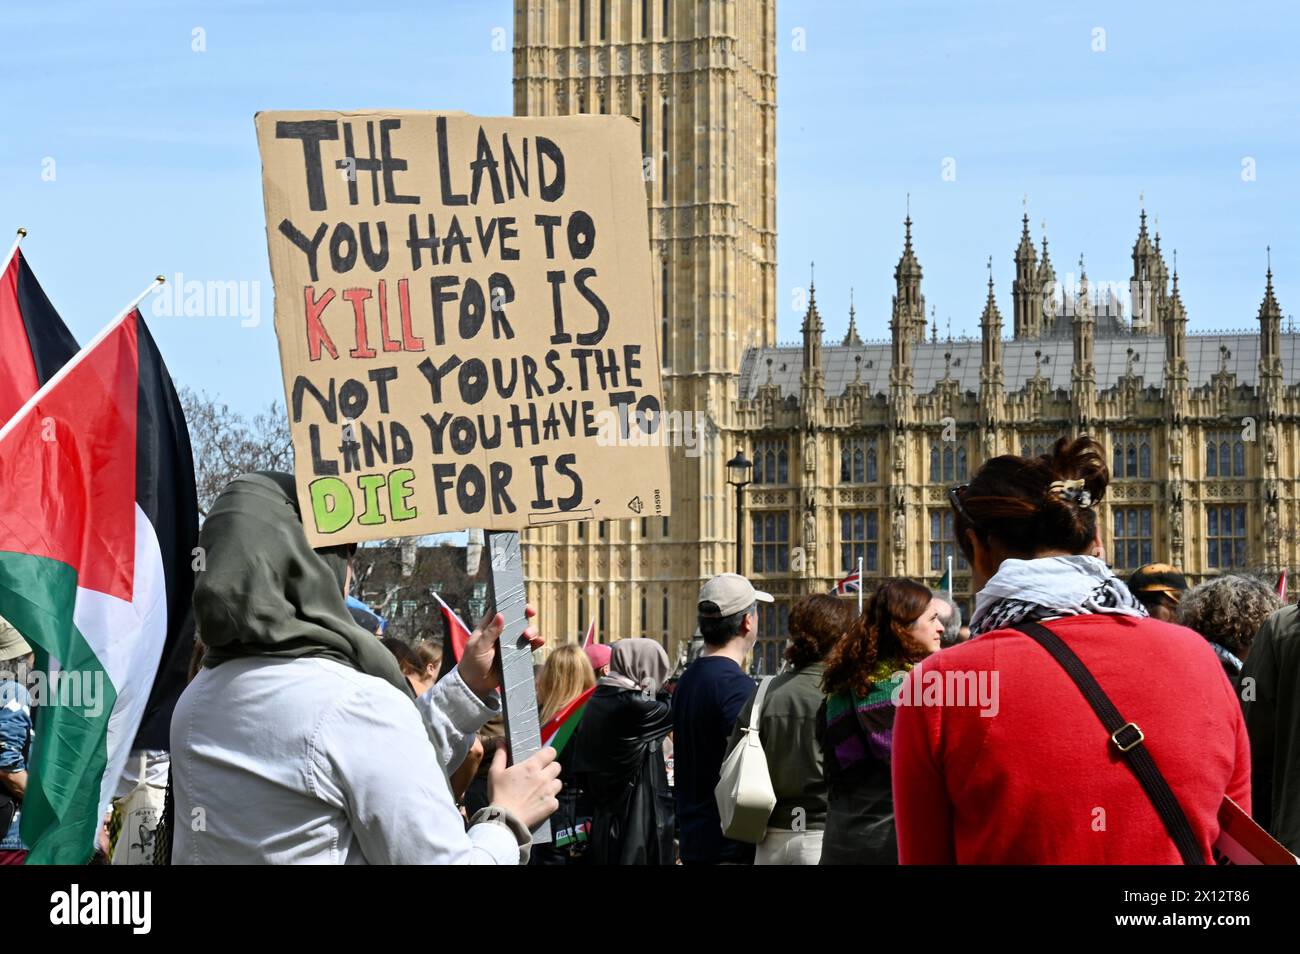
[(1110, 356)]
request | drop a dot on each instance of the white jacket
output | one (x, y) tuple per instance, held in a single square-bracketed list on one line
[(307, 761)]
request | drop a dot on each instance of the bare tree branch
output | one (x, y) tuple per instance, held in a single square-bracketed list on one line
[(226, 444)]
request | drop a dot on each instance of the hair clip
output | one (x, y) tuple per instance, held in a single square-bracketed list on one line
[(1073, 490)]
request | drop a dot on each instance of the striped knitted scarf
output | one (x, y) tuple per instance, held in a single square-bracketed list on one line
[(861, 727)]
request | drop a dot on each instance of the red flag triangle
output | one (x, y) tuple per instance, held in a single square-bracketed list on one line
[(460, 633), (67, 465)]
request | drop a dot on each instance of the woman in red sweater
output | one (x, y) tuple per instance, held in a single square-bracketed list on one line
[(998, 758)]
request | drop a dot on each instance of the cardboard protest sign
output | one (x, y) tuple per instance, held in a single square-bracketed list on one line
[(1242, 841), (465, 319)]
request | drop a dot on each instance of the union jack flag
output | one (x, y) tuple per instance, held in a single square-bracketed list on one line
[(850, 584)]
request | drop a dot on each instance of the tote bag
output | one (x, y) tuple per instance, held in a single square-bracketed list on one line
[(744, 790)]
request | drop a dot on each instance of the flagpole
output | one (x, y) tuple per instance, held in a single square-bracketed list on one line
[(950, 578), (135, 302), (452, 612), (77, 358), (22, 233), (860, 585)]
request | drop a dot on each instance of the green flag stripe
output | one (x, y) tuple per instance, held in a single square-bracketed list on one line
[(566, 730), (61, 807)]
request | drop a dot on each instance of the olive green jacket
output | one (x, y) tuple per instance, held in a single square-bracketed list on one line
[(788, 728)]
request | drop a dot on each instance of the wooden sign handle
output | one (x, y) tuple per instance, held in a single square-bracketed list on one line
[(518, 691)]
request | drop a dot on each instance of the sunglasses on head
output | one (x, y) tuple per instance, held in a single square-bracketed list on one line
[(954, 498)]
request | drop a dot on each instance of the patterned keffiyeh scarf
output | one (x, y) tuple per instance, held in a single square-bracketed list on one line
[(1048, 588), (1227, 658)]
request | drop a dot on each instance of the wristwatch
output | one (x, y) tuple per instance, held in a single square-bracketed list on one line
[(494, 815)]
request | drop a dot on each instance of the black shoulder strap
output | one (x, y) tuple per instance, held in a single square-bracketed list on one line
[(1127, 738)]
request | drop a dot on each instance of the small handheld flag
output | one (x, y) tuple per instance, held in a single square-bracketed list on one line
[(945, 581), (561, 726), (460, 633), (850, 584)]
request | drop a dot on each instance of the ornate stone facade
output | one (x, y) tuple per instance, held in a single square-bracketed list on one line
[(1200, 429)]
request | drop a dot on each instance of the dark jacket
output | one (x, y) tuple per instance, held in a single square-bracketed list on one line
[(570, 825), (860, 800), (855, 732), (617, 760), (788, 729), (1271, 704), (706, 702)]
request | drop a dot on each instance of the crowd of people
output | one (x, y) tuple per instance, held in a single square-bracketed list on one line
[(1076, 718), (899, 734)]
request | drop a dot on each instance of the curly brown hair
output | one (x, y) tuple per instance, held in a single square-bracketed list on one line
[(1229, 610), (881, 632), (1011, 501), (816, 623)]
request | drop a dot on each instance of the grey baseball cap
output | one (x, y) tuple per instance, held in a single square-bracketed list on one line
[(12, 644), (729, 593)]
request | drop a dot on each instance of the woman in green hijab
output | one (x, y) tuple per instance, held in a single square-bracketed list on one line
[(300, 741)]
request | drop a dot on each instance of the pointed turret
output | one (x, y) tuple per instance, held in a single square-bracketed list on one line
[(906, 324), (1174, 319), (812, 335), (1269, 309), (1162, 277), (1046, 280), (991, 341), (851, 336), (1270, 340), (1026, 290), (812, 382), (1147, 284), (909, 303), (1083, 373)]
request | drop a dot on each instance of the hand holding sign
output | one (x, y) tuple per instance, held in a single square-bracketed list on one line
[(527, 790), (477, 665)]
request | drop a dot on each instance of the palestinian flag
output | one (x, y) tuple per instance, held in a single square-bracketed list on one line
[(98, 525), (456, 629), (561, 726), (945, 582), (34, 341)]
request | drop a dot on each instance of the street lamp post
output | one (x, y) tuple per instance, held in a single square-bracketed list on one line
[(738, 469)]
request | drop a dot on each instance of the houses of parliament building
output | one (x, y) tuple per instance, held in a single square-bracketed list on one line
[(855, 443)]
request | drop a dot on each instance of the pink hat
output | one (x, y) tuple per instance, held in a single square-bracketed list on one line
[(598, 653)]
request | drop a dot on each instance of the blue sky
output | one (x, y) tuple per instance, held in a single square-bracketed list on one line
[(155, 168)]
